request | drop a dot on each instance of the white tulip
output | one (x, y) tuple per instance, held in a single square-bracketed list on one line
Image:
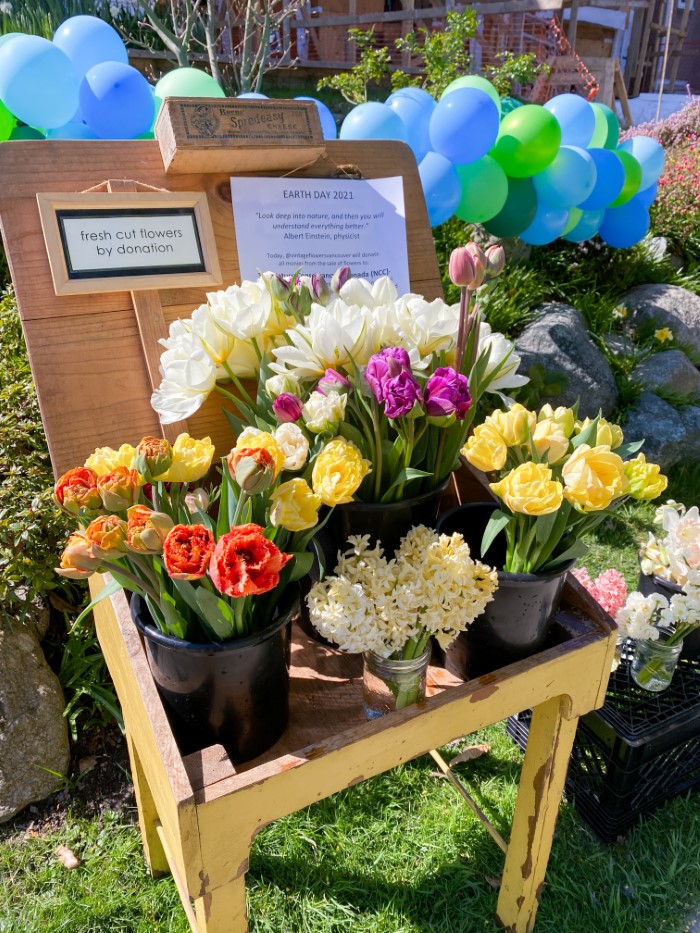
[(293, 443), (189, 376)]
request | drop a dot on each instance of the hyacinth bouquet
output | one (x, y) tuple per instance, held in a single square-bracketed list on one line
[(396, 380), (392, 607), (557, 478), (211, 563)]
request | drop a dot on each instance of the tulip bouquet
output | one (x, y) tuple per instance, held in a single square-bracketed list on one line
[(394, 380), (558, 478), (213, 563), (675, 554)]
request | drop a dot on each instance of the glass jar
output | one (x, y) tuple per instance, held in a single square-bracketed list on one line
[(388, 684), (653, 664)]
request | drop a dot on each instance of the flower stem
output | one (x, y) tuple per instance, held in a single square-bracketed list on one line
[(464, 303), (377, 450)]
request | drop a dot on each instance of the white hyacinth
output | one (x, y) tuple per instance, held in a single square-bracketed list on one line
[(431, 587)]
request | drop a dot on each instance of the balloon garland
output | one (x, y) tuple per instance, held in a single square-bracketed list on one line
[(537, 172)]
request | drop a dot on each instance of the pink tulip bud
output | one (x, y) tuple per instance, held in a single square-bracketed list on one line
[(340, 277), (320, 291), (280, 289), (287, 407), (496, 256), (479, 272), (476, 252), (461, 268)]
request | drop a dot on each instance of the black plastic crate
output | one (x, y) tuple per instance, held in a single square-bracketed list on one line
[(639, 750)]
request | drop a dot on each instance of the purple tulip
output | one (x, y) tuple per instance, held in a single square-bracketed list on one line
[(340, 277), (401, 393), (447, 394), (387, 364), (334, 381), (287, 407), (320, 292)]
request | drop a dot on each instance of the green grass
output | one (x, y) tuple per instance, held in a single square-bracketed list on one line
[(397, 854)]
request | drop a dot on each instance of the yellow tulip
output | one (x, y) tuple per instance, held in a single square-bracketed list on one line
[(105, 460), (191, 460), (607, 433), (550, 439), (294, 506), (564, 417), (338, 471), (485, 449), (515, 426), (593, 477), (646, 479), (255, 438), (530, 489)]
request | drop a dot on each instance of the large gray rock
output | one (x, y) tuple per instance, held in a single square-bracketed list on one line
[(670, 369), (669, 306), (33, 731), (670, 435), (558, 339)]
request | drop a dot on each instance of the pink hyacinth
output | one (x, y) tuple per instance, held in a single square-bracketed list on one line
[(609, 589)]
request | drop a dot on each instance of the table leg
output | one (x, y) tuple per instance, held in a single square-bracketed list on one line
[(148, 816), (536, 809), (223, 910)]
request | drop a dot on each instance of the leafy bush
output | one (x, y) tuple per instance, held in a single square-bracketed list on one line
[(676, 211), (675, 130)]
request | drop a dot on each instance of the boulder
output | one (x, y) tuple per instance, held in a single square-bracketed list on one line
[(36, 614), (33, 731), (670, 369), (559, 340), (669, 306), (669, 434)]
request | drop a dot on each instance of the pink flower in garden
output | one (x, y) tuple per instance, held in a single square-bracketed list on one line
[(609, 589)]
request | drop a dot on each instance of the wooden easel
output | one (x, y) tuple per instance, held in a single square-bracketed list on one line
[(94, 363)]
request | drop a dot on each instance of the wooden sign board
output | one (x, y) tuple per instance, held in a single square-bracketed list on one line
[(227, 135), (108, 242)]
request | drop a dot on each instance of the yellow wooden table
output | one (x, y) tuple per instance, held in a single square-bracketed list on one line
[(199, 815)]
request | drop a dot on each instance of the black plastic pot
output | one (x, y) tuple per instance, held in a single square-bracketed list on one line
[(385, 522), (517, 621), (652, 584), (234, 693)]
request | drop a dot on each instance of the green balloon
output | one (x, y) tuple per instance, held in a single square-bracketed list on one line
[(612, 123), (519, 210), (188, 82), (484, 190), (476, 81), (7, 122), (600, 133), (574, 216), (528, 141), (26, 132), (633, 178)]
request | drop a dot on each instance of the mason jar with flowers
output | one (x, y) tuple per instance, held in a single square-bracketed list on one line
[(555, 478), (390, 609), (211, 570), (394, 379), (658, 626)]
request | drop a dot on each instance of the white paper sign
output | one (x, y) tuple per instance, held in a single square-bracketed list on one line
[(320, 224), (119, 242)]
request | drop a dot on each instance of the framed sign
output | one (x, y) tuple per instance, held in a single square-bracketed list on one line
[(113, 242)]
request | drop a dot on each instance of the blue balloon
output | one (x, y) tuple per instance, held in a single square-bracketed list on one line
[(586, 228), (88, 41), (328, 125), (625, 225), (71, 130), (415, 116), (647, 195), (650, 155), (373, 121), (464, 125), (610, 177), (576, 118), (441, 187), (252, 95), (568, 180), (38, 84), (417, 94), (116, 101), (548, 224), (9, 35)]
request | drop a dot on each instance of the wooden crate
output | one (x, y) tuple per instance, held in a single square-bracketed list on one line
[(95, 361)]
